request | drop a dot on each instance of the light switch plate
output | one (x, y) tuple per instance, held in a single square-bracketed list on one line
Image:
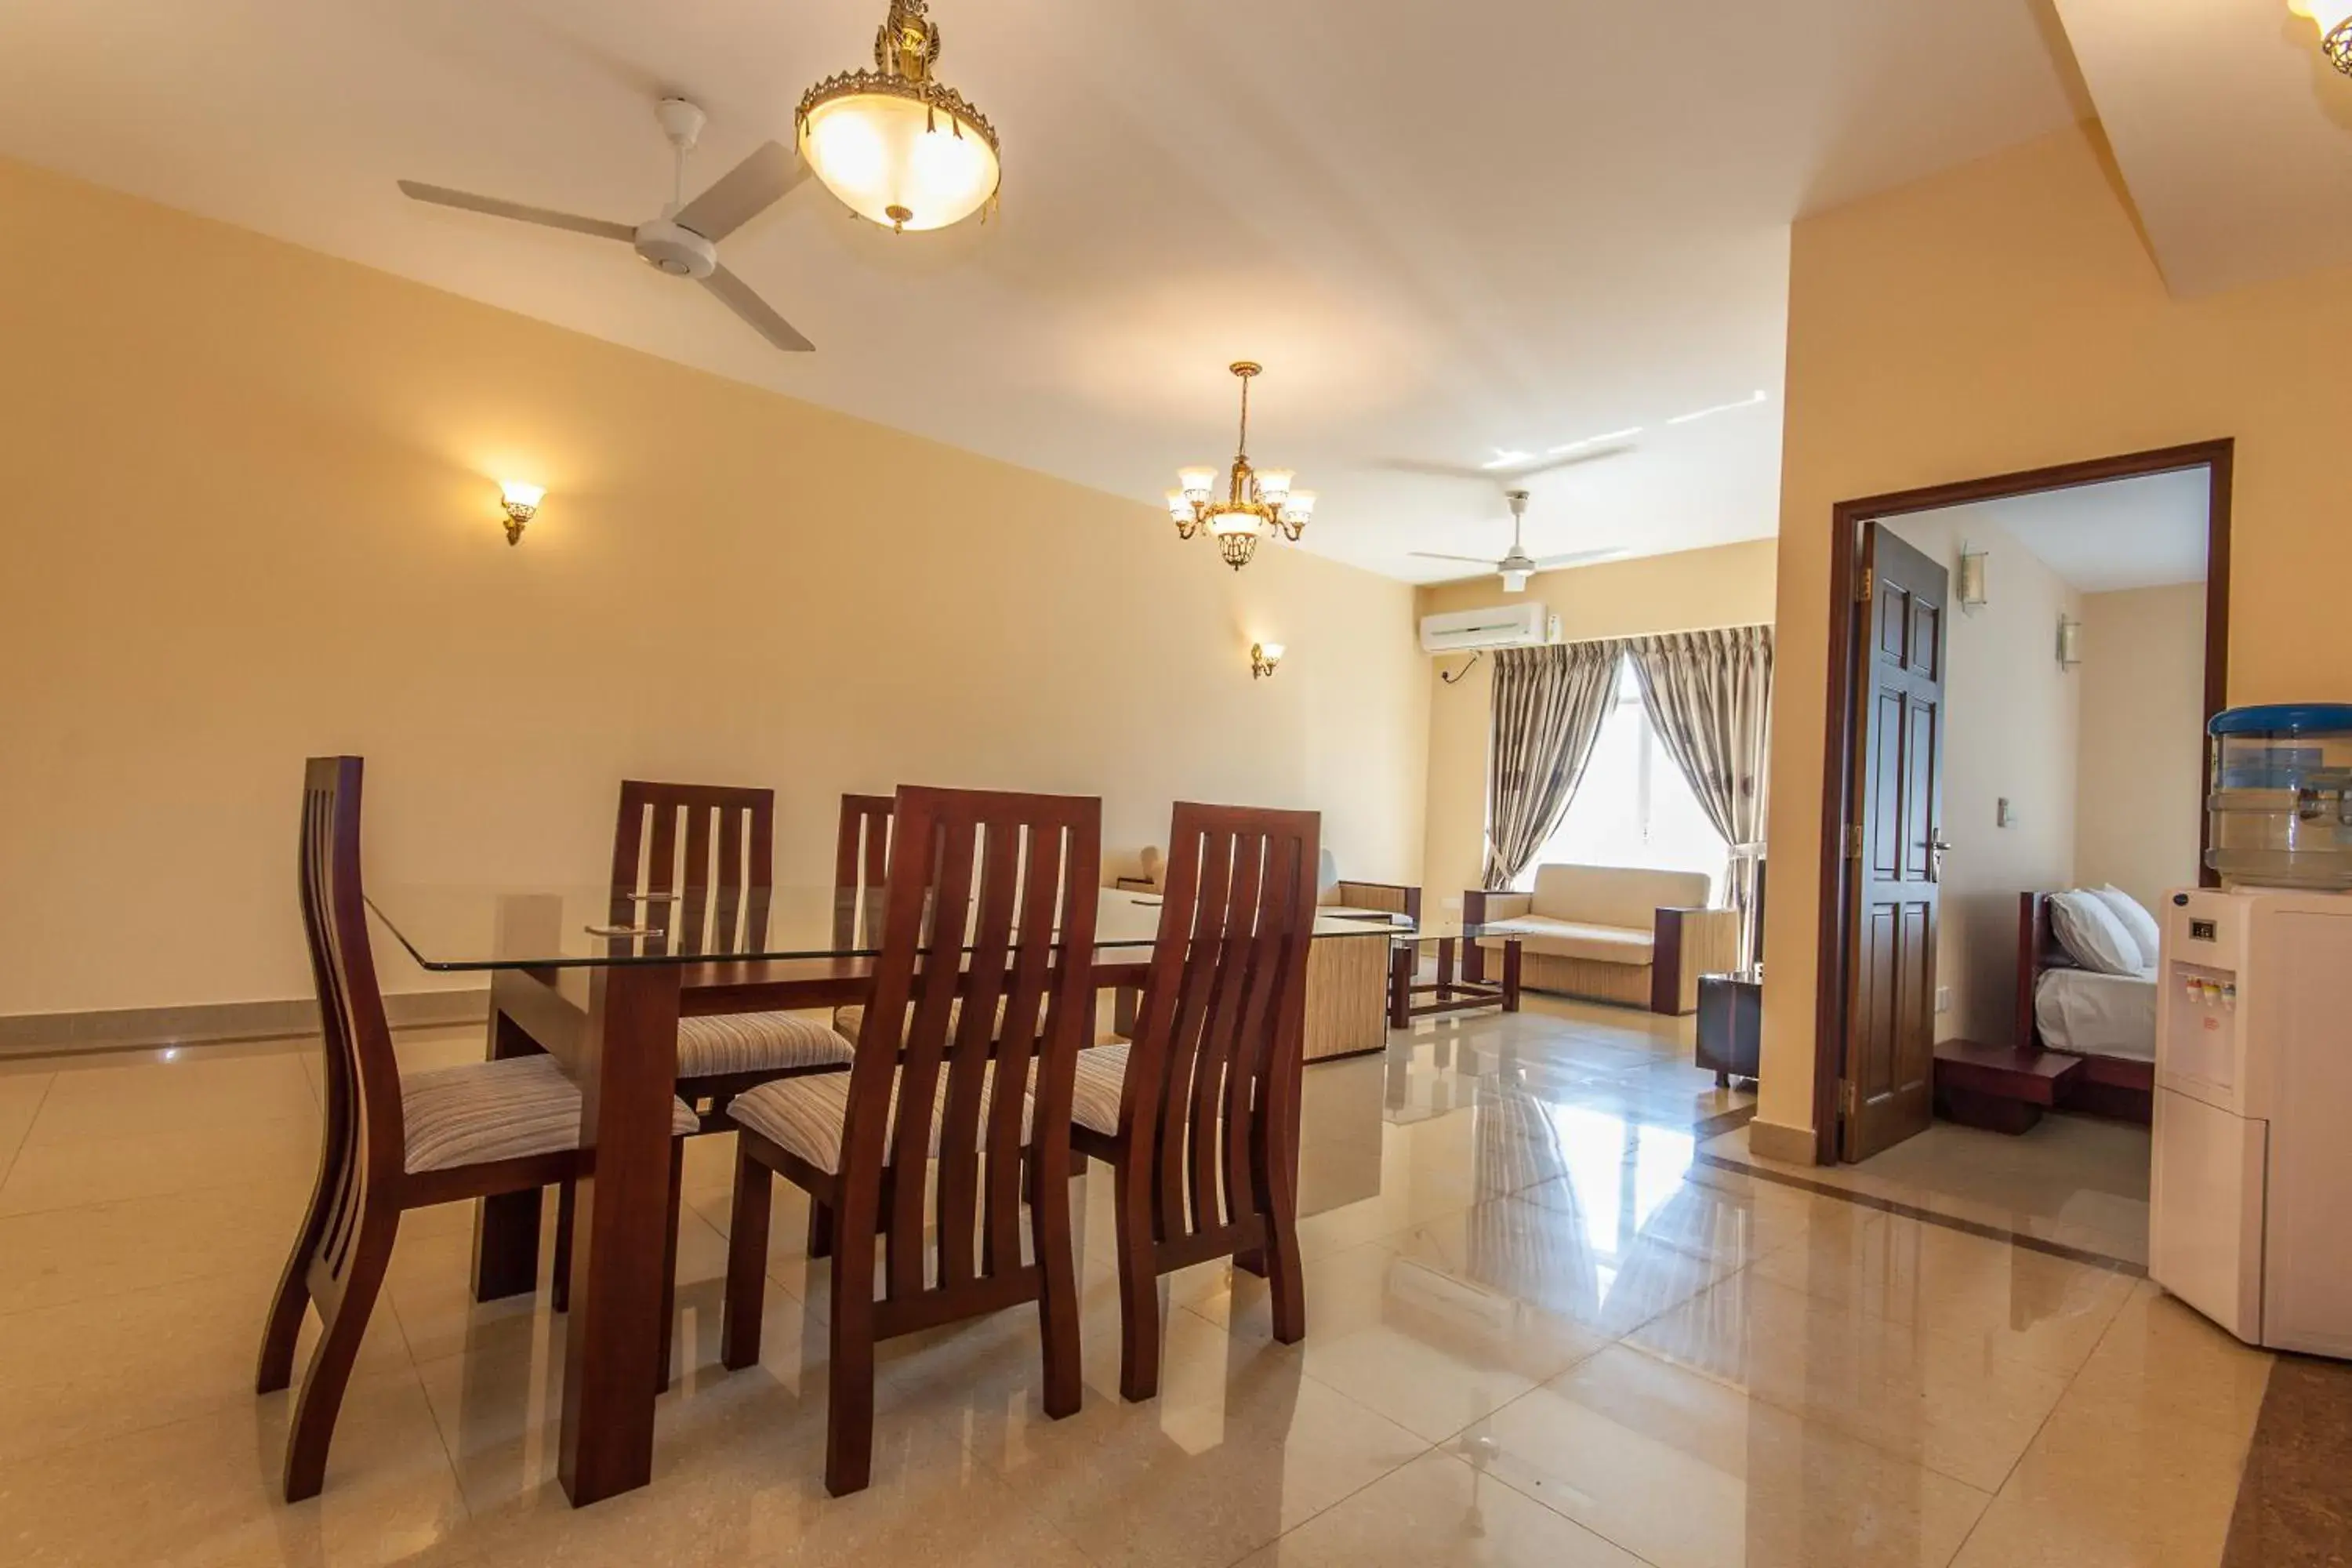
[(1943, 998), (2003, 813)]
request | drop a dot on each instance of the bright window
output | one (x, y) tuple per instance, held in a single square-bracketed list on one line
[(1635, 808)]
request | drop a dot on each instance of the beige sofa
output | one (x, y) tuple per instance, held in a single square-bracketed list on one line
[(1608, 933)]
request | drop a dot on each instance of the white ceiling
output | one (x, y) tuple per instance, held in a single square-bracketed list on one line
[(1445, 231), (2232, 131), (2141, 533)]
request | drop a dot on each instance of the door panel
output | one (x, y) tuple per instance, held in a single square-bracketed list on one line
[(1898, 791)]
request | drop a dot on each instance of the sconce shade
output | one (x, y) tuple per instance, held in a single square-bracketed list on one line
[(2070, 642)]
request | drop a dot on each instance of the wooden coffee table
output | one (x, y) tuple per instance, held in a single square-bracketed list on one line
[(1450, 994)]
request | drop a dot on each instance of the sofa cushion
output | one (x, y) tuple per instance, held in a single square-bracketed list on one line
[(1572, 938), (1616, 895)]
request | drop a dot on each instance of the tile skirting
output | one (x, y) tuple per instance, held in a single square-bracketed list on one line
[(217, 1023), (1789, 1145)]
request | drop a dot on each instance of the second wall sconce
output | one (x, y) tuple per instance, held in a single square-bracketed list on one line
[(1263, 657), (2070, 642), (521, 503), (1972, 578)]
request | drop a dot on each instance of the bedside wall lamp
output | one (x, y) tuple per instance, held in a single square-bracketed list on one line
[(1263, 657), (521, 504)]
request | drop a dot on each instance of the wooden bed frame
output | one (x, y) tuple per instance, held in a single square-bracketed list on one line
[(2121, 1088)]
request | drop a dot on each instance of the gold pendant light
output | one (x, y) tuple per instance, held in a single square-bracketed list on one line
[(2333, 20), (1254, 502), (897, 147)]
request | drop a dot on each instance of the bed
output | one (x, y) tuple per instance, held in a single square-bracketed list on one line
[(2108, 1020)]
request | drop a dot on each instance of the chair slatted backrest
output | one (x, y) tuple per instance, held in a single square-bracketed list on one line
[(861, 868), (1212, 1071), (701, 858), (992, 896), (365, 1144)]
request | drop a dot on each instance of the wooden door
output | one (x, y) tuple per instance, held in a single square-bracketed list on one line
[(1895, 847)]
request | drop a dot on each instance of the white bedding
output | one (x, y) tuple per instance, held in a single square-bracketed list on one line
[(2103, 1014)]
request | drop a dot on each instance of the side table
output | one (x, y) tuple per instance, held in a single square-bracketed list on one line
[(1450, 994), (1730, 1025)]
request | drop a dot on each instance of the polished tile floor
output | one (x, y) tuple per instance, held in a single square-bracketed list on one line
[(1542, 1331)]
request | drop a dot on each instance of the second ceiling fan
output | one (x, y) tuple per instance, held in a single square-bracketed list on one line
[(1517, 567)]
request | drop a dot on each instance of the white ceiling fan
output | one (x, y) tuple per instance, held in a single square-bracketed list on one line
[(684, 240), (1517, 566)]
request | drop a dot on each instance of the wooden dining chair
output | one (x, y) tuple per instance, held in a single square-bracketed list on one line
[(1197, 1115), (702, 858), (392, 1142), (991, 897)]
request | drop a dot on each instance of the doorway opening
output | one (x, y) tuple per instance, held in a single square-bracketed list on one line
[(1886, 831)]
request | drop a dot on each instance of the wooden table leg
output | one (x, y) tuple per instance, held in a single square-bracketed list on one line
[(1444, 966), (1403, 958), (627, 1071), (506, 1227), (1511, 976)]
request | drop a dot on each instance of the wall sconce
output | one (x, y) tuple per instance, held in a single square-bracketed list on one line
[(1972, 578), (521, 503), (2333, 20), (2070, 642), (1263, 657)]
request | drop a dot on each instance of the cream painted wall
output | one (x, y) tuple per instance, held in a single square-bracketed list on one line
[(2010, 719), (250, 514), (2140, 780), (1728, 585), (2001, 316)]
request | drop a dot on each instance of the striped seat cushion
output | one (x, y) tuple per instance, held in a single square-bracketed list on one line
[(805, 1116), (485, 1111), (757, 1042), (1095, 1091), (850, 1021)]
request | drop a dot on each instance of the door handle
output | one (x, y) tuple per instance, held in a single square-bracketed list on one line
[(1938, 847)]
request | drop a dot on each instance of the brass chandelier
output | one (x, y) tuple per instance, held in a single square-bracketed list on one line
[(1255, 500), (2333, 20)]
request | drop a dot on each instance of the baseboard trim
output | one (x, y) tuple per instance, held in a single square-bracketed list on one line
[(217, 1023), (1789, 1145)]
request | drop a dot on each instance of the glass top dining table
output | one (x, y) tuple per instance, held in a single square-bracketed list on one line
[(449, 929)]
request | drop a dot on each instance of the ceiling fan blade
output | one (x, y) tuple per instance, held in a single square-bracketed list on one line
[(1577, 558), (441, 196), (1551, 464), (737, 296), (1435, 556), (743, 192)]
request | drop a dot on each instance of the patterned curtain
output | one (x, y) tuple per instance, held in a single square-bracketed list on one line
[(1709, 695), (1548, 704)]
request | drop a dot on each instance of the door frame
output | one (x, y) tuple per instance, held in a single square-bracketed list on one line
[(1847, 520)]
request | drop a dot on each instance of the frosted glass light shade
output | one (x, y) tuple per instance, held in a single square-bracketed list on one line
[(1298, 506), (1196, 482), (2329, 14), (1179, 507), (1224, 522), (515, 493), (1274, 485), (898, 161)]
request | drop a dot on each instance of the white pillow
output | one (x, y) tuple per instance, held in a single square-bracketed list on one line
[(2090, 932), (2136, 919)]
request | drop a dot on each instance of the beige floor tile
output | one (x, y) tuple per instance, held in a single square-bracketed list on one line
[(204, 1492), (20, 1099), (96, 1251), (2104, 1486), (1687, 1473), (1439, 1510), (1942, 1403), (122, 1363), (102, 1100), (1428, 1349), (2159, 1362), (56, 1172), (2013, 1302), (1196, 1480), (1592, 1268)]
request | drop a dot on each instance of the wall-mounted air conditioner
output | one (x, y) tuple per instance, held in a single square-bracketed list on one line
[(1505, 626)]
